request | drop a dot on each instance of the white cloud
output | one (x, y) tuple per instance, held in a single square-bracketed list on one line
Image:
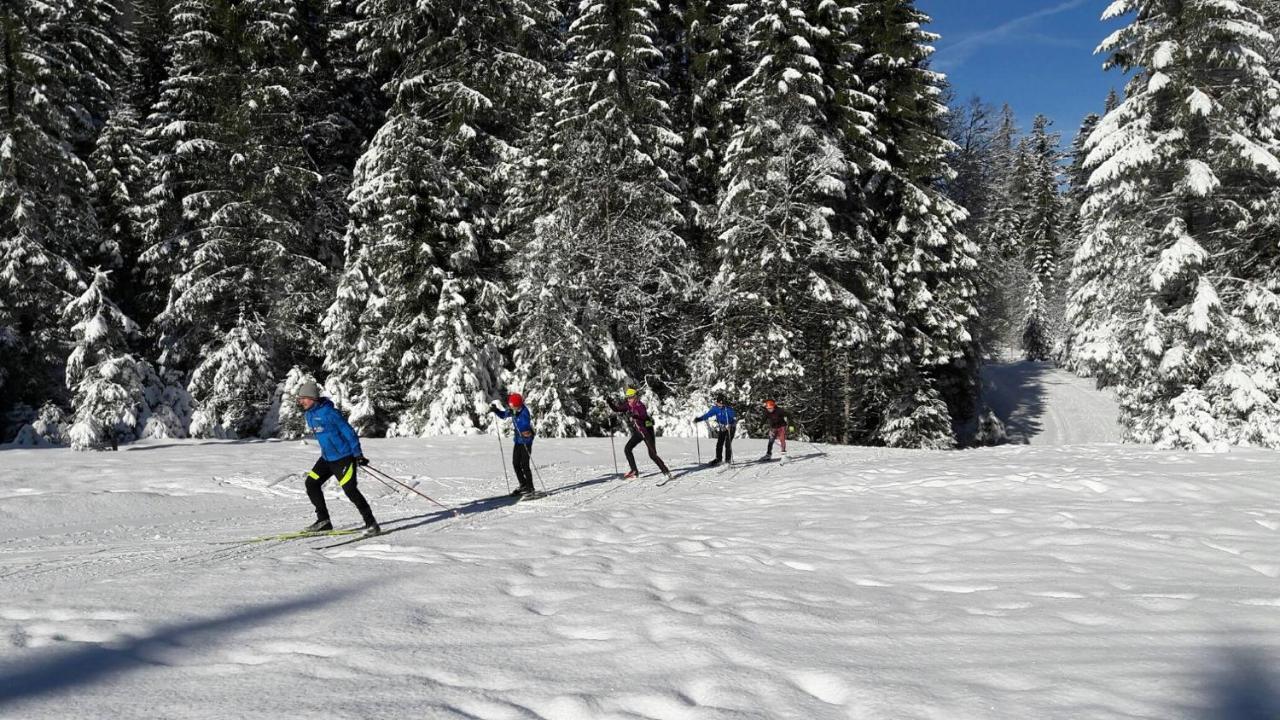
[(955, 54)]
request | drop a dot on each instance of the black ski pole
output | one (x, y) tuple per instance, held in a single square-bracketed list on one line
[(410, 488), (528, 454)]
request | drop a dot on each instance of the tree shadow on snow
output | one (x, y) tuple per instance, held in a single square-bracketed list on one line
[(1242, 688), (1015, 393), (86, 664)]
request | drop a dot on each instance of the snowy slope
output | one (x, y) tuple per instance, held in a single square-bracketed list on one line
[(1044, 405), (1015, 582)]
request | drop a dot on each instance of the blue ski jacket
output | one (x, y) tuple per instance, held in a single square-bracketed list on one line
[(723, 415), (337, 438), (523, 423)]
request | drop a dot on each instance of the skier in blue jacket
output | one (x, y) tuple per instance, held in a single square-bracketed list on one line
[(522, 449), (340, 454), (728, 425)]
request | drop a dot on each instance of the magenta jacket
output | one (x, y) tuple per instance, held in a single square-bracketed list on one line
[(638, 413)]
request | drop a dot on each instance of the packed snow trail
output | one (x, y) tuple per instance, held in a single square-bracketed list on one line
[(1043, 405), (1014, 582)]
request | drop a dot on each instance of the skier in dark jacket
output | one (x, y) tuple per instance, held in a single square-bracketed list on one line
[(340, 454), (727, 421), (522, 448), (777, 420), (641, 431)]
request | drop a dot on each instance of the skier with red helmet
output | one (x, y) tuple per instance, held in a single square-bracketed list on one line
[(777, 420), (522, 449)]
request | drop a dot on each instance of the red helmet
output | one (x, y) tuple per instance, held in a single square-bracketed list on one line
[(515, 400)]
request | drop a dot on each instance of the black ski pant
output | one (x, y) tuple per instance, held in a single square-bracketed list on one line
[(724, 442), (647, 438), (344, 470), (520, 457)]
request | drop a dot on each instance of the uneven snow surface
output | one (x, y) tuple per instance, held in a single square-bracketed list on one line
[(1017, 582)]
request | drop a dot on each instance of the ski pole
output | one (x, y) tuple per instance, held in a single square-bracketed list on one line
[(528, 454), (697, 441), (614, 448), (503, 461), (410, 488)]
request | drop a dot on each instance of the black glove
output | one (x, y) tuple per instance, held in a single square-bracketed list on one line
[(493, 410), (362, 460)]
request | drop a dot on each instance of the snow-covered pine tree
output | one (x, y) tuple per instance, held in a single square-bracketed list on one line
[(971, 127), (1182, 172), (783, 310), (229, 219), (63, 57), (599, 216), (285, 419), (708, 63), (1001, 276), (564, 356), (105, 379), (340, 108), (425, 206), (233, 384), (344, 325), (929, 261), (93, 41), (619, 155), (151, 34), (1041, 241), (1077, 174), (119, 164)]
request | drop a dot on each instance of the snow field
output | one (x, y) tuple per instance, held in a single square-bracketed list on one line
[(1089, 581)]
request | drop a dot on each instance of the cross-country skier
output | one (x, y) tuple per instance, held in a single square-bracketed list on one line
[(641, 431), (522, 449), (340, 454), (777, 420), (728, 425)]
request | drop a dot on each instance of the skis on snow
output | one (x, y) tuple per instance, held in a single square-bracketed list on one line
[(299, 535)]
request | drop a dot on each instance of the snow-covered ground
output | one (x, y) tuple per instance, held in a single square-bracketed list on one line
[(1095, 581), (1043, 405)]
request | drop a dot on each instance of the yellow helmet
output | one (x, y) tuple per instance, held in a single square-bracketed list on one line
[(631, 392)]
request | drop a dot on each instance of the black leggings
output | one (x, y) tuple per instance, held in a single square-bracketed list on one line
[(345, 471), (520, 456), (724, 442), (647, 439)]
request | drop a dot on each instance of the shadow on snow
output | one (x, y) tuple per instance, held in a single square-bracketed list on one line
[(85, 664)]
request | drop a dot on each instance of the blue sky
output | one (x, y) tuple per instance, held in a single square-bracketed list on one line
[(1036, 55)]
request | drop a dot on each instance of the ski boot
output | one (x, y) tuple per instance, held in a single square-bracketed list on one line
[(319, 526), (630, 475), (371, 529)]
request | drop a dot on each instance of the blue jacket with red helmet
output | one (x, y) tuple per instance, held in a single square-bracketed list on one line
[(522, 421), (335, 435)]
